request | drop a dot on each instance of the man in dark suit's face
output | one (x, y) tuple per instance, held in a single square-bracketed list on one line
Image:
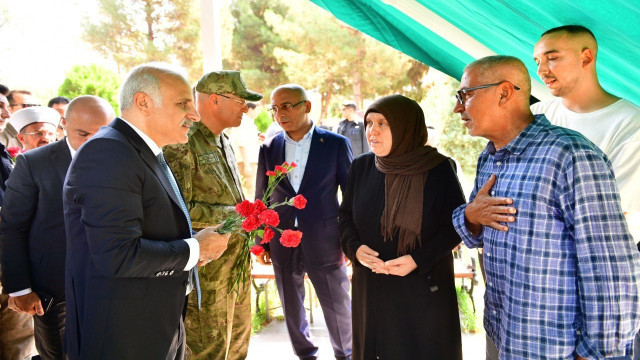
[(168, 121), (291, 108)]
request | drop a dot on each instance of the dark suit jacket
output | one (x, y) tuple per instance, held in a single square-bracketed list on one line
[(327, 168), (125, 282), (32, 234)]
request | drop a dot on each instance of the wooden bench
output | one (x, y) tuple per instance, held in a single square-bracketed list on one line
[(262, 272)]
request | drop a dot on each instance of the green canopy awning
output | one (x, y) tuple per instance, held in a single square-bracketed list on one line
[(448, 34)]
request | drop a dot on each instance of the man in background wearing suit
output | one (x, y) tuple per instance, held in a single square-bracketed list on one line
[(16, 330), (32, 234), (130, 249), (323, 160)]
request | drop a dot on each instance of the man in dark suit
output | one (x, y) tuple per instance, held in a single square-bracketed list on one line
[(32, 234), (323, 160), (130, 249)]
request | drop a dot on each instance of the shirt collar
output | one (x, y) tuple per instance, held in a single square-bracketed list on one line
[(155, 149), (73, 152), (520, 142), (306, 137)]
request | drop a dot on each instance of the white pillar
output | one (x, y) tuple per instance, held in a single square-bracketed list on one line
[(210, 32)]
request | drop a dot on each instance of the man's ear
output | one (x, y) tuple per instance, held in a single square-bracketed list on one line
[(213, 99), (308, 107), (506, 92), (142, 102), (20, 138), (586, 57)]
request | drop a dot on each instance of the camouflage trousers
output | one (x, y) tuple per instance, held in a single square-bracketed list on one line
[(222, 327)]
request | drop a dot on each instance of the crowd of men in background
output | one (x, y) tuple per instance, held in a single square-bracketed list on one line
[(172, 125)]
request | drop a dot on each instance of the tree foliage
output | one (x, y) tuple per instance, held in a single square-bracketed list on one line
[(453, 137), (91, 80), (327, 56), (132, 32), (254, 42)]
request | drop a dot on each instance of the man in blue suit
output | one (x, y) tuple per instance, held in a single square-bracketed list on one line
[(323, 160), (130, 249), (32, 235)]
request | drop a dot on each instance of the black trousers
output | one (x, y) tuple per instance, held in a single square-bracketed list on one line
[(49, 332)]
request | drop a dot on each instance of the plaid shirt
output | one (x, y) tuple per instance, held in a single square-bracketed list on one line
[(564, 279)]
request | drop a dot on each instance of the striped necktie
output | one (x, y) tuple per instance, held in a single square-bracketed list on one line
[(194, 272)]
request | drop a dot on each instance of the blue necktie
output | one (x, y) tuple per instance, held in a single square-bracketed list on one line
[(174, 186)]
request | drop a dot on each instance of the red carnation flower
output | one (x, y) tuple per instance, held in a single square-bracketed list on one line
[(299, 202), (269, 217), (285, 164), (257, 250), (14, 151), (290, 238), (267, 236), (280, 170), (245, 208), (271, 173), (250, 223), (293, 165), (258, 207)]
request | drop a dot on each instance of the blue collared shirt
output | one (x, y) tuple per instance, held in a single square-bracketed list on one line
[(564, 279)]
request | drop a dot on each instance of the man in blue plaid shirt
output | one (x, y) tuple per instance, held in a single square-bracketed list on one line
[(562, 269)]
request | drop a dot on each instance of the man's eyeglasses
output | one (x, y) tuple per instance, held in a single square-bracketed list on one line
[(462, 93), (22, 106), (41, 134), (284, 107), (239, 101)]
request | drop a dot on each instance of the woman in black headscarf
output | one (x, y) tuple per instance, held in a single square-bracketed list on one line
[(395, 227)]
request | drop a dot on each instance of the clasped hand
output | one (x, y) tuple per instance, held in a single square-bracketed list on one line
[(488, 211), (212, 244), (400, 266)]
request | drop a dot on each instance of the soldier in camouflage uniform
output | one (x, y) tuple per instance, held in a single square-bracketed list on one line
[(206, 169)]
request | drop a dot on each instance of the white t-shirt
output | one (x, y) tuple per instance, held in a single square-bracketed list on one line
[(616, 130)]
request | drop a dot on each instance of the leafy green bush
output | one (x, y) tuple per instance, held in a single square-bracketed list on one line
[(468, 319), (91, 80), (263, 120)]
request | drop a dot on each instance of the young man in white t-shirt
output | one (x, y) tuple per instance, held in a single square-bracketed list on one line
[(566, 58)]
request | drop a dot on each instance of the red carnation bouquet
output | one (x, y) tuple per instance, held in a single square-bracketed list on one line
[(258, 219), (14, 151)]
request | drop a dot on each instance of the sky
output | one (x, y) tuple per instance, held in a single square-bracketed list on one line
[(41, 40)]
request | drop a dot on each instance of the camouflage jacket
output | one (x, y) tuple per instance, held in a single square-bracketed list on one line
[(207, 171)]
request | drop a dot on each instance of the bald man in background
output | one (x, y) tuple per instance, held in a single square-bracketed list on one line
[(32, 232)]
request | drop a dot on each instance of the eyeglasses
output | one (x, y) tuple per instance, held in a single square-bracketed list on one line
[(285, 107), (240, 101), (41, 134), (462, 93), (22, 106)]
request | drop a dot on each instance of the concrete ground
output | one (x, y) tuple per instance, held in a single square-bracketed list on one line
[(272, 342)]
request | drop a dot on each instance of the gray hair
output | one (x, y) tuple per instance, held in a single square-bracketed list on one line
[(144, 79)]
